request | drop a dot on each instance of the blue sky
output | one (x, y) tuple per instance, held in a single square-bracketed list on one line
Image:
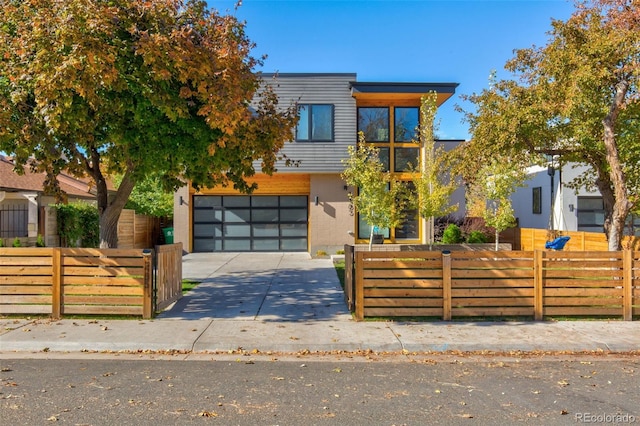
[(399, 41)]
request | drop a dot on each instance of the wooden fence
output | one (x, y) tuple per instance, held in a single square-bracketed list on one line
[(136, 230), (168, 278), (497, 284), (64, 281), (528, 239)]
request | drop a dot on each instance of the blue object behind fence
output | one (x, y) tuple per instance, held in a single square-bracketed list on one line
[(557, 244)]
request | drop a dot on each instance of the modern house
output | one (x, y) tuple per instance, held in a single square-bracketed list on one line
[(547, 203), (307, 208)]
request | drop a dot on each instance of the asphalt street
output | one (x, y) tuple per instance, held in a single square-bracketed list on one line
[(365, 390)]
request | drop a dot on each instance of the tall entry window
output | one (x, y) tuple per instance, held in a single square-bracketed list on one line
[(394, 131)]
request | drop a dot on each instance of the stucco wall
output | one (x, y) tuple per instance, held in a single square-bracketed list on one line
[(181, 218), (330, 220)]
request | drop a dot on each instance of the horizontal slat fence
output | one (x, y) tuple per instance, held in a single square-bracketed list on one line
[(26, 281), (60, 281), (529, 239), (103, 281), (486, 284), (399, 284), (497, 284)]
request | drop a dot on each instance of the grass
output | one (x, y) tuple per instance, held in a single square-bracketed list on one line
[(188, 285), (339, 265)]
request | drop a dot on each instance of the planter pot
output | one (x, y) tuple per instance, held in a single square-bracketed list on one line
[(378, 239)]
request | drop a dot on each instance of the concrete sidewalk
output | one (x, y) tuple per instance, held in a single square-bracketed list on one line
[(288, 302), (206, 335)]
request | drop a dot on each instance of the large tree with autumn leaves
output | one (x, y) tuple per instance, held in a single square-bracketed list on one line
[(577, 99), (135, 88)]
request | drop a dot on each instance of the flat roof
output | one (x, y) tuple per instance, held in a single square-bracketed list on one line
[(393, 87)]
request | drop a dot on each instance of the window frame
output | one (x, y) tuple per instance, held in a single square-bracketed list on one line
[(415, 130), (388, 122), (536, 200), (309, 125)]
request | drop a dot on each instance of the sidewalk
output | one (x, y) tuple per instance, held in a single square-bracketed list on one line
[(287, 302), (204, 336)]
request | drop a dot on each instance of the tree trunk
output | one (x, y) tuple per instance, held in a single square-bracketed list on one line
[(110, 212), (621, 204), (497, 240), (371, 239)]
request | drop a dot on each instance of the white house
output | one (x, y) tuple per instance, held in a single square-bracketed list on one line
[(547, 203)]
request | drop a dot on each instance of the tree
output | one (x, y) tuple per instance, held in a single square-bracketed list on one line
[(379, 199), (149, 198), (432, 190), (497, 181), (577, 99), (134, 87)]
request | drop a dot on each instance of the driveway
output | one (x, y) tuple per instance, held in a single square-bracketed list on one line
[(260, 286)]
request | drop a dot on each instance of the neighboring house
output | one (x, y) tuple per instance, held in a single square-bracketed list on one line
[(547, 203), (24, 208), (307, 208)]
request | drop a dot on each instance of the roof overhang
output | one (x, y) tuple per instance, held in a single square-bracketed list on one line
[(402, 92)]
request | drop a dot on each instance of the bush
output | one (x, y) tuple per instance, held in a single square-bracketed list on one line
[(78, 225), (1, 242), (477, 237), (441, 223), (40, 241), (452, 235), (472, 224), (16, 242)]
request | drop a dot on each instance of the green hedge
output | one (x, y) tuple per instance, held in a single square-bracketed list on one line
[(78, 225)]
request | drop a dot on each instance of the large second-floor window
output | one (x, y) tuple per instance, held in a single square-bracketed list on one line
[(374, 123), (406, 124), (315, 123)]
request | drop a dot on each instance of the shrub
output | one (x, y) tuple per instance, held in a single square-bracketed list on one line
[(477, 237), (1, 242), (472, 224), (441, 223), (16, 242), (78, 224), (40, 241), (452, 235)]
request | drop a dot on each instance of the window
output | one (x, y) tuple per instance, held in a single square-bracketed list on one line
[(590, 214), (405, 159), (406, 124), (537, 200), (374, 123), (410, 226), (315, 123)]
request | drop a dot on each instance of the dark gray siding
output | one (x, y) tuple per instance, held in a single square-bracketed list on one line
[(319, 89)]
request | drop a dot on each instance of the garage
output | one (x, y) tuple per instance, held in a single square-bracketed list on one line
[(250, 223)]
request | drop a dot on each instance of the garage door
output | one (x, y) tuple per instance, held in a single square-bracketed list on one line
[(250, 223)]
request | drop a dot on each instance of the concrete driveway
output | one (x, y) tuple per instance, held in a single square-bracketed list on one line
[(260, 286)]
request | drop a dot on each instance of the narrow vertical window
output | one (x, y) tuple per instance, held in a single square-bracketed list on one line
[(537, 200)]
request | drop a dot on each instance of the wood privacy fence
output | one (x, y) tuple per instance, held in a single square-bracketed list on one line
[(64, 281), (496, 284), (529, 239), (136, 230)]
